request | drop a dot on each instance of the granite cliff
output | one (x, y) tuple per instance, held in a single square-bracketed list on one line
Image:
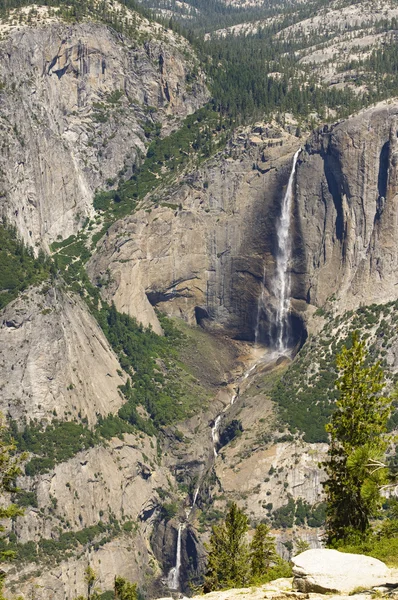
[(78, 106), (218, 246), (76, 102), (346, 212), (204, 261), (56, 360)]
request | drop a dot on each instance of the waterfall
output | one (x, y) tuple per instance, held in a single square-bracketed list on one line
[(195, 497), (173, 579), (281, 280), (260, 304), (214, 433), (280, 285), (279, 328)]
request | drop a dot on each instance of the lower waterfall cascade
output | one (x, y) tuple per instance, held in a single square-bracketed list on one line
[(279, 337), (173, 578)]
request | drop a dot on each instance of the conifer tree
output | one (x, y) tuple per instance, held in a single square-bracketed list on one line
[(357, 441), (262, 552), (90, 578), (228, 558), (300, 546), (125, 590), (9, 471)]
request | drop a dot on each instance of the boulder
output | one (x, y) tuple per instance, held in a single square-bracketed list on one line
[(325, 571)]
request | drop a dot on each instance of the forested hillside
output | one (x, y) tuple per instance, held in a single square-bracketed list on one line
[(273, 68)]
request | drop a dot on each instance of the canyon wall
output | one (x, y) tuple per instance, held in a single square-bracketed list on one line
[(75, 102), (346, 212), (205, 260)]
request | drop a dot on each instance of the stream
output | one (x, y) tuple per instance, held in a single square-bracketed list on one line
[(279, 337)]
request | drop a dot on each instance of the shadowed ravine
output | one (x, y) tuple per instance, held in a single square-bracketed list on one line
[(279, 335), (261, 358)]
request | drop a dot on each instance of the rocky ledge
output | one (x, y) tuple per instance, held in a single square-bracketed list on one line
[(329, 571), (341, 576)]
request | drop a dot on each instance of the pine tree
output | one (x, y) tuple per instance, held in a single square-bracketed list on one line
[(357, 441), (9, 471), (90, 578), (228, 556), (262, 552), (124, 590), (300, 546)]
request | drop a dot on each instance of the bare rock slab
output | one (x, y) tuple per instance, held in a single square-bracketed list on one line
[(326, 571)]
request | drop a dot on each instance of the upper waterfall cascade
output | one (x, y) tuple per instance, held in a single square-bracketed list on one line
[(279, 328), (281, 280)]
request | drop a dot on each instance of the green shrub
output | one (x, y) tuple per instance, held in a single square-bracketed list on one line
[(128, 526), (283, 517), (231, 431), (384, 548), (25, 499), (56, 443), (108, 595), (169, 511), (18, 267), (299, 512), (55, 550), (102, 200)]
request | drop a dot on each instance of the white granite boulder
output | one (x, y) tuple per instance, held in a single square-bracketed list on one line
[(325, 571)]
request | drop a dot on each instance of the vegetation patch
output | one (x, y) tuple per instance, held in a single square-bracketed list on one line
[(68, 544), (385, 548), (199, 135), (230, 432), (18, 267), (306, 393), (155, 372), (56, 443), (298, 512), (25, 499)]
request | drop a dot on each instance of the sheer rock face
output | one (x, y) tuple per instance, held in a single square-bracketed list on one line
[(55, 361), (346, 212), (74, 103), (204, 260), (101, 485)]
